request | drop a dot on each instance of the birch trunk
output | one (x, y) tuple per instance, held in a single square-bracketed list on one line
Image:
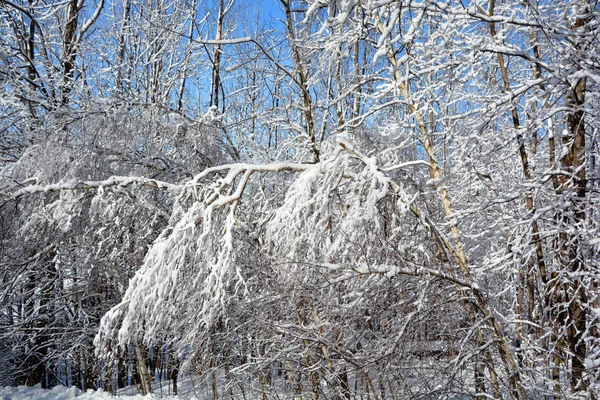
[(140, 359)]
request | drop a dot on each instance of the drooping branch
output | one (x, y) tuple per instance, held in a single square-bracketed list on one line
[(120, 181)]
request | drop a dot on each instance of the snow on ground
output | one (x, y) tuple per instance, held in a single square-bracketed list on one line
[(57, 393), (161, 391)]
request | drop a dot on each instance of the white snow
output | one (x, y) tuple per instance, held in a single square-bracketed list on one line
[(591, 364), (161, 391), (64, 393)]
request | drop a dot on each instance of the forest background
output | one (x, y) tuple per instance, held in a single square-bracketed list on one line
[(314, 199)]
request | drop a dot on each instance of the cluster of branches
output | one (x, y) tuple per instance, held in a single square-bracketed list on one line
[(370, 198)]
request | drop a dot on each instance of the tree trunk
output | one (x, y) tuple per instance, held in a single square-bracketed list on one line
[(302, 79), (572, 185), (142, 369), (174, 375)]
